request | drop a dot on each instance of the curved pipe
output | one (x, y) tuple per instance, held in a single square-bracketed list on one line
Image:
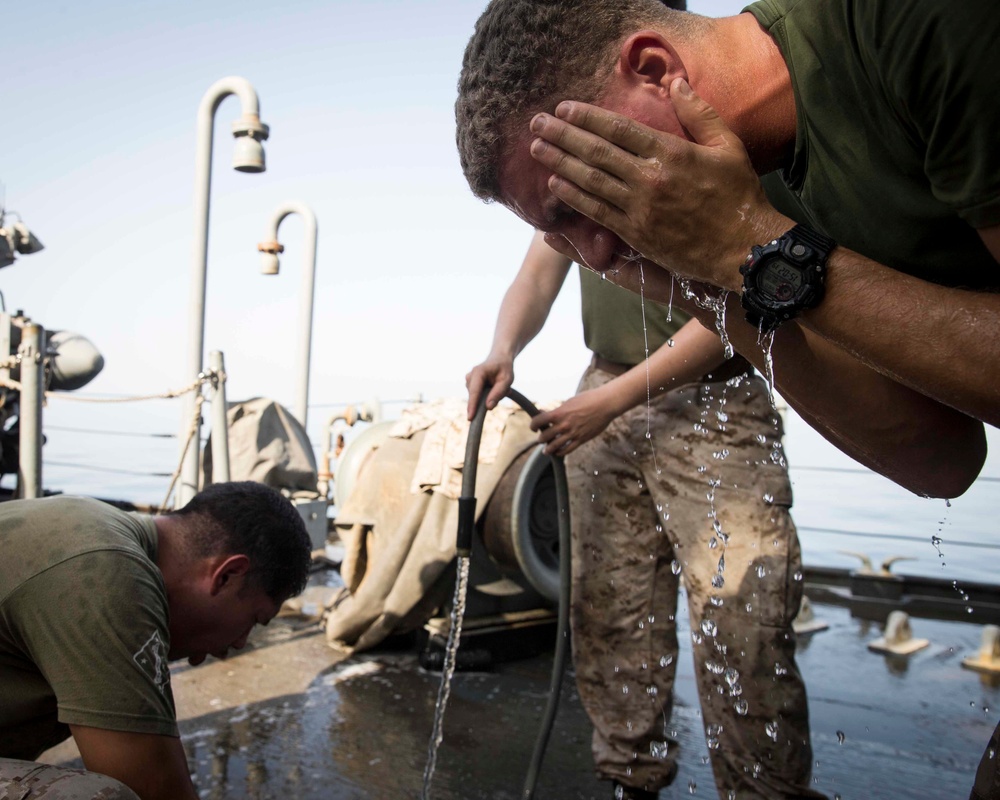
[(466, 525), (348, 416), (250, 125), (271, 246)]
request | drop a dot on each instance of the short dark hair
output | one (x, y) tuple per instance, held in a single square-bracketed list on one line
[(527, 55), (251, 519)]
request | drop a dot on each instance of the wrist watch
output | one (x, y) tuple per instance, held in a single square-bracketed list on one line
[(784, 276)]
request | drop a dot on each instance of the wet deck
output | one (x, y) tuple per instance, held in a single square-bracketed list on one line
[(291, 718)]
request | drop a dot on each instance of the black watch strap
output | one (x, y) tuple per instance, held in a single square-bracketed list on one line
[(802, 245), (819, 242)]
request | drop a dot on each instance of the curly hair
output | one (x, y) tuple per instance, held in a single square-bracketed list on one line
[(527, 55), (251, 519)]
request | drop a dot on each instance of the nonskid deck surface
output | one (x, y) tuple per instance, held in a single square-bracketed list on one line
[(291, 718)]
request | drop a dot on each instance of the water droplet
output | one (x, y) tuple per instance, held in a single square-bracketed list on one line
[(624, 689), (722, 563), (768, 498), (713, 543), (675, 567), (696, 637), (670, 342), (732, 676), (716, 601), (749, 608), (666, 661), (692, 787), (771, 729), (715, 667), (742, 707), (840, 737), (718, 581), (797, 575), (659, 749), (761, 571), (709, 628)]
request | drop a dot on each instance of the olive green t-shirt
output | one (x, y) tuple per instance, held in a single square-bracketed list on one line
[(619, 325), (896, 152), (84, 631)]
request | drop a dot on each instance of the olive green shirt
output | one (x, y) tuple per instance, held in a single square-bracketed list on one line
[(896, 152), (84, 630), (620, 325)]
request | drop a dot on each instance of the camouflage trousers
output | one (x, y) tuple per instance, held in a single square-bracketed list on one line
[(693, 489), (29, 780)]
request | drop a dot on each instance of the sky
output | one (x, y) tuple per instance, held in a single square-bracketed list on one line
[(97, 156)]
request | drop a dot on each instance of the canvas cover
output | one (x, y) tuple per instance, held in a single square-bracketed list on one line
[(268, 445), (399, 524)]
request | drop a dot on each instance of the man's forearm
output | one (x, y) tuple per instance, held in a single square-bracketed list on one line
[(693, 352), (916, 441), (152, 766), (937, 340), (527, 302)]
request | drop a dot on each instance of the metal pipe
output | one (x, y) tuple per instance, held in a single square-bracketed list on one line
[(249, 126), (348, 416), (31, 355), (369, 412), (271, 248), (220, 422)]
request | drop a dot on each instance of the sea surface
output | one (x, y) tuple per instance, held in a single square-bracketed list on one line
[(129, 450)]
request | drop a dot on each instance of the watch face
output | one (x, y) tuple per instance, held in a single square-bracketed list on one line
[(779, 280)]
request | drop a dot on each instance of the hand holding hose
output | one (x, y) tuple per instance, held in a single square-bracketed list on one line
[(497, 373), (576, 421)]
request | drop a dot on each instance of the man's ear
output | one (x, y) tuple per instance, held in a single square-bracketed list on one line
[(647, 57), (230, 567)]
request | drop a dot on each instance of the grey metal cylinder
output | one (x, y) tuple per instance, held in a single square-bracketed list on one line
[(31, 353), (520, 525), (220, 422)]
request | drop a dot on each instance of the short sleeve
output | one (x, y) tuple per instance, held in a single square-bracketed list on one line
[(95, 625), (940, 62)]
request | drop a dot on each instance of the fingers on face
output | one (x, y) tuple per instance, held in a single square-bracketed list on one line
[(628, 134), (584, 158)]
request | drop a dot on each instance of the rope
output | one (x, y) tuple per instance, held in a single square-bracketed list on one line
[(164, 396), (142, 434), (195, 418), (16, 386)]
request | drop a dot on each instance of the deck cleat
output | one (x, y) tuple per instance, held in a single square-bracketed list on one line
[(898, 638), (988, 657), (805, 621)]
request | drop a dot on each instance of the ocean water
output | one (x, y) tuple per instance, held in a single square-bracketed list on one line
[(128, 451)]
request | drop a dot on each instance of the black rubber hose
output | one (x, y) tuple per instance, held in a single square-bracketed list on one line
[(467, 500), (466, 524)]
